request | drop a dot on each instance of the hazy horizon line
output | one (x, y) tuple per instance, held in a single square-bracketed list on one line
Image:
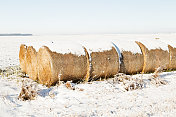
[(40, 34)]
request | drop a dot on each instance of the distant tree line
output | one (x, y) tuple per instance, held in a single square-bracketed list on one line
[(16, 34)]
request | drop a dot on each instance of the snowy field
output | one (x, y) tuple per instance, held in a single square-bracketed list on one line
[(99, 98)]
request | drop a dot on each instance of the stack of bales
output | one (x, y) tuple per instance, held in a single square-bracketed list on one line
[(131, 57), (156, 54), (62, 61), (104, 59), (28, 61)]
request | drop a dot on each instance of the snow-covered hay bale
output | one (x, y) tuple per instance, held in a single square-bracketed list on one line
[(172, 52), (31, 63), (62, 65), (131, 63), (156, 54), (22, 57), (104, 64), (104, 59), (131, 57)]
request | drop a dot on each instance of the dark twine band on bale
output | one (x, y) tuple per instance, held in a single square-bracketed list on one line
[(53, 67), (119, 54), (104, 64), (31, 62), (154, 58), (22, 57), (172, 52)]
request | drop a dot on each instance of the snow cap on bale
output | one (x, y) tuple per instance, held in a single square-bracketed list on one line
[(131, 60), (62, 61), (104, 59), (60, 46), (156, 54), (22, 57), (169, 39), (31, 62)]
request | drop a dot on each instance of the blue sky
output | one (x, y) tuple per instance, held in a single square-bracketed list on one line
[(87, 16)]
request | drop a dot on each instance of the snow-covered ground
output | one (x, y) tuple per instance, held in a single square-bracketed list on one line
[(98, 98)]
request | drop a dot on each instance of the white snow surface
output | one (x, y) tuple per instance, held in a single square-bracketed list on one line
[(98, 98), (96, 45), (171, 42), (168, 38)]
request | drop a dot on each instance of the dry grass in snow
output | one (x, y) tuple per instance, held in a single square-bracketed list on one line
[(123, 95), (28, 91)]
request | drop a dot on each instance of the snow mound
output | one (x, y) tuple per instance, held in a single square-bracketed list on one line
[(59, 46), (97, 46), (155, 44), (127, 45)]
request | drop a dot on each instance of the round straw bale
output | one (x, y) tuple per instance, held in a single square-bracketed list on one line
[(104, 64), (131, 63), (53, 66), (172, 52), (131, 59), (104, 59), (22, 57), (31, 63), (154, 57)]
